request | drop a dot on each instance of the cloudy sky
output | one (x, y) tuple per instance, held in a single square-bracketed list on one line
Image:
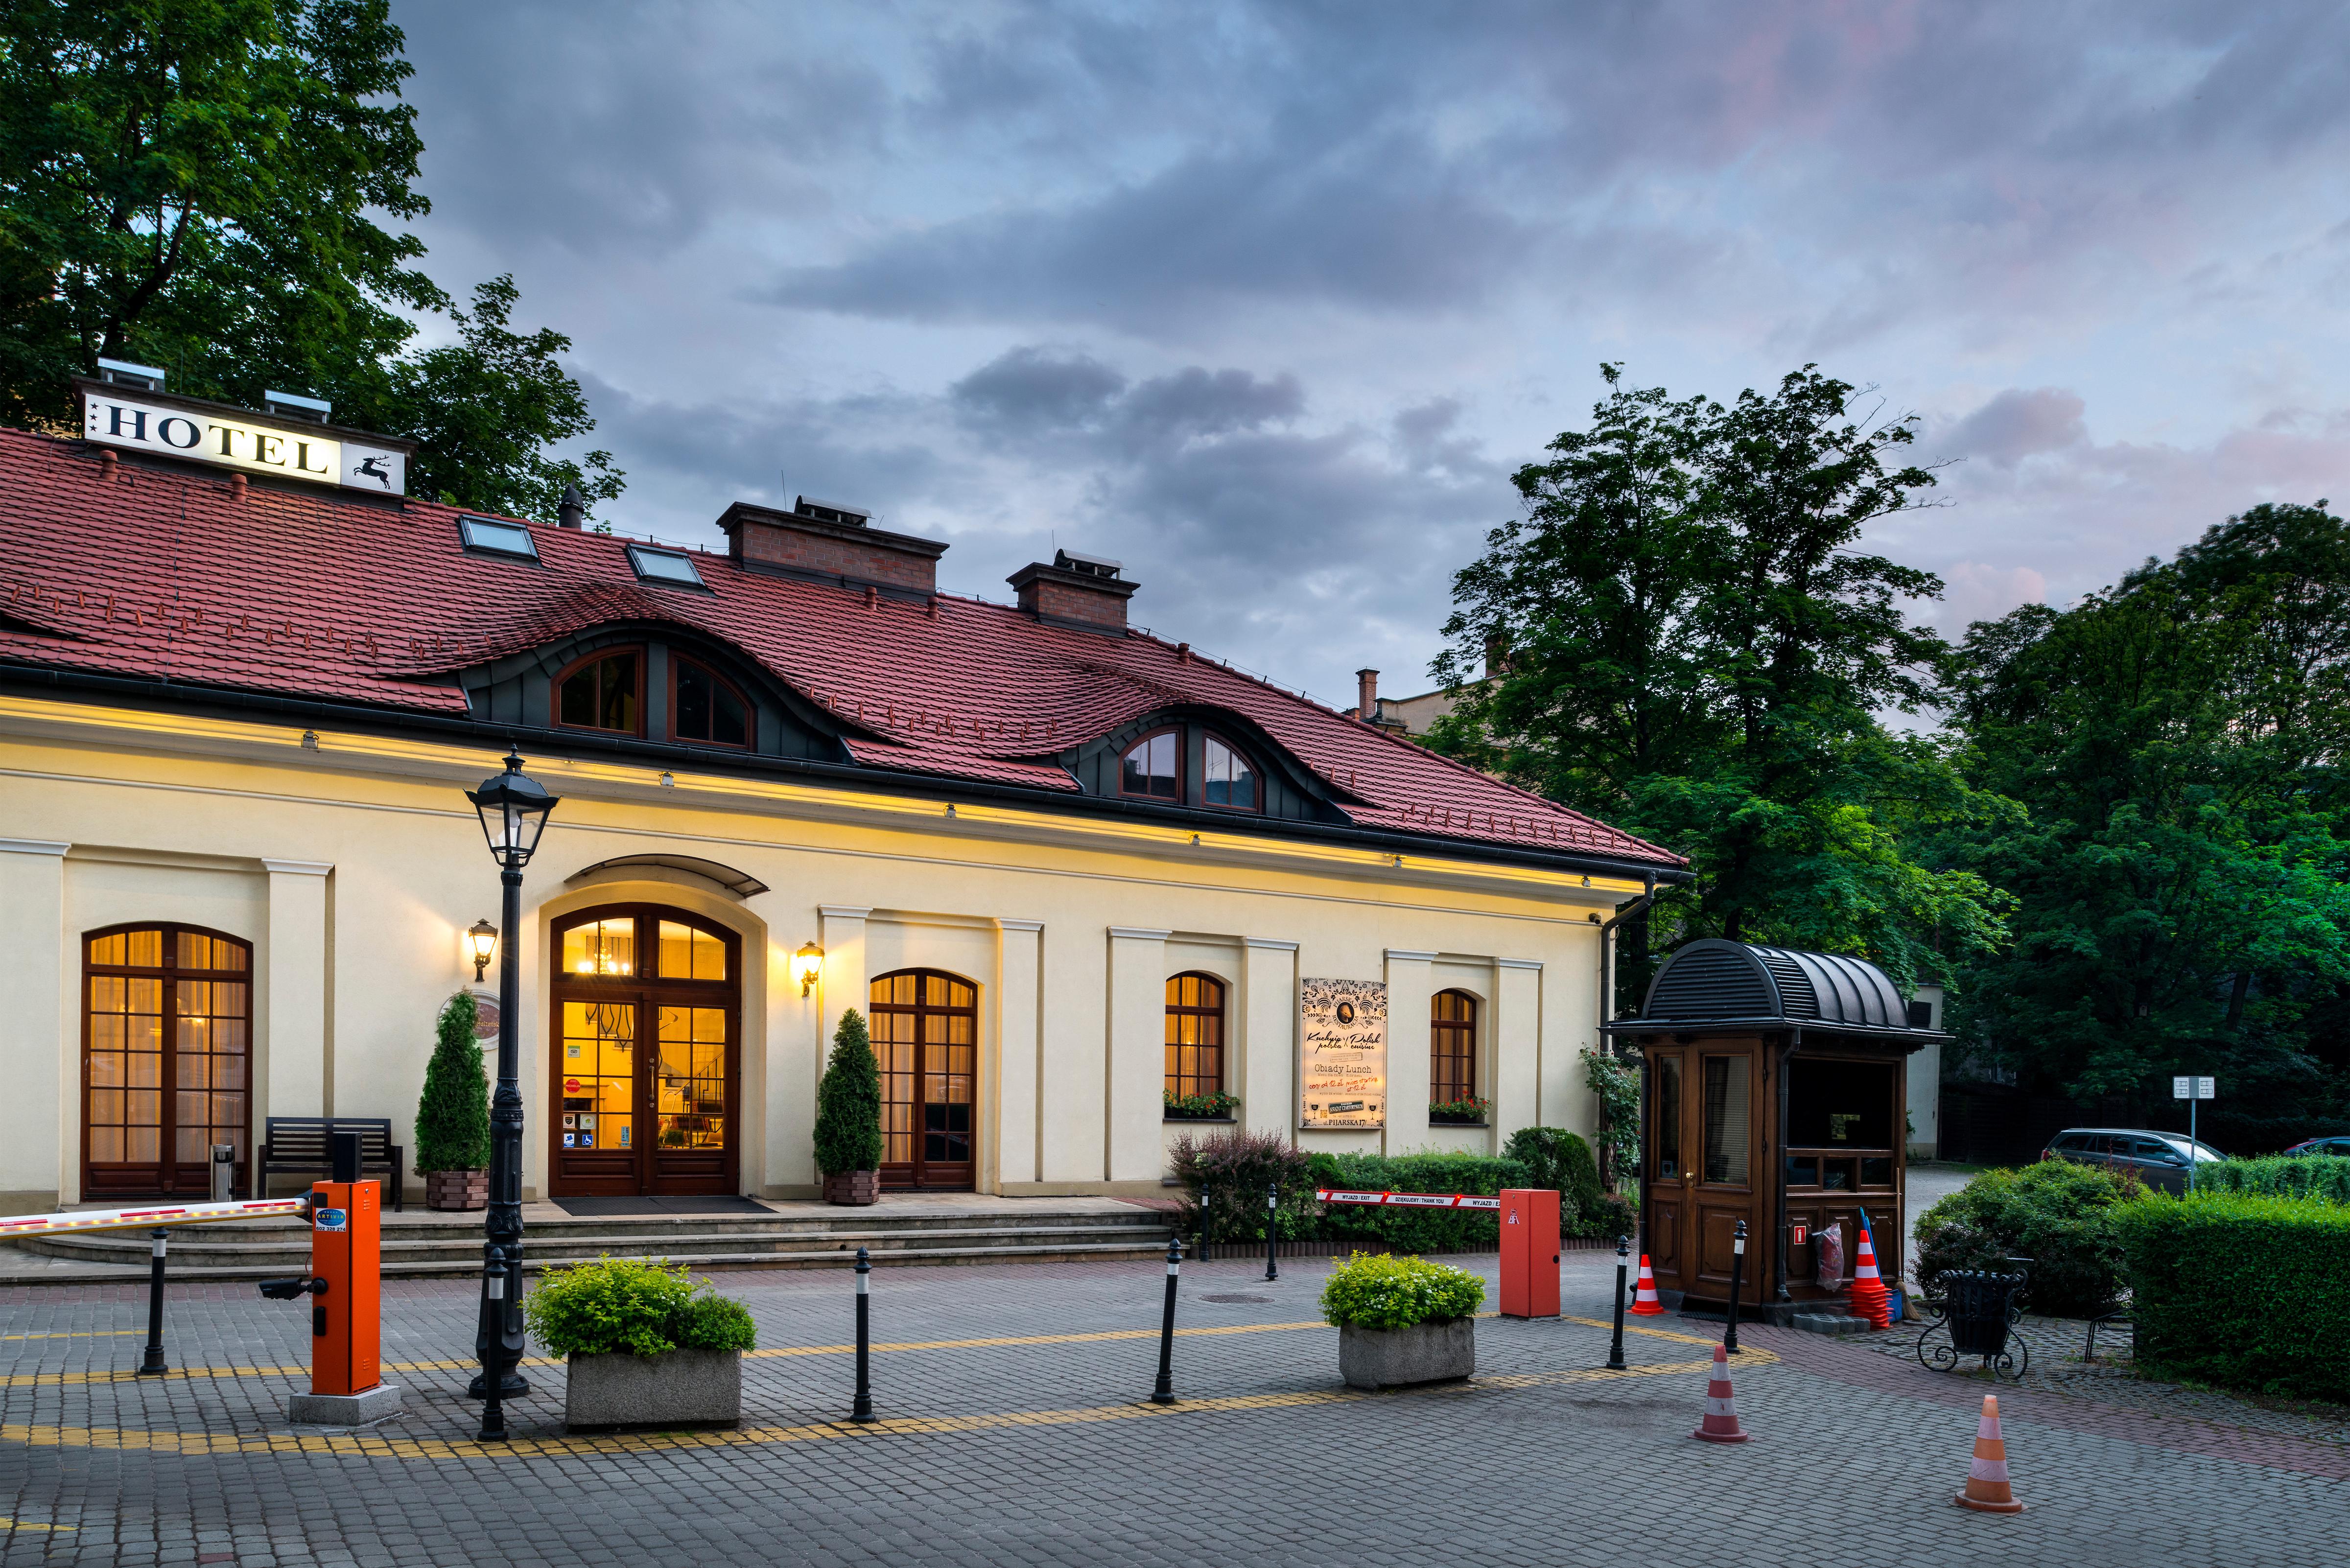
[(1267, 301)]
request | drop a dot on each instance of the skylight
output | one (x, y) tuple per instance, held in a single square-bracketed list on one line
[(497, 538), (664, 567)]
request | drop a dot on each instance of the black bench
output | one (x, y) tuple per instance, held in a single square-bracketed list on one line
[(297, 1146)]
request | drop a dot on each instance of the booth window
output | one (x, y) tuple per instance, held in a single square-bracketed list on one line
[(1232, 782), (705, 707), (1669, 1117), (1195, 1034), (1452, 1048), (1840, 1126), (1153, 766), (1727, 1121), (603, 691)]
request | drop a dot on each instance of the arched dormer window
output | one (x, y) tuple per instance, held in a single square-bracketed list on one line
[(605, 690), (704, 707), (1232, 781), (1153, 766)]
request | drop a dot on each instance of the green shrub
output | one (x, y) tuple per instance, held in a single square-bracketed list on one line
[(1557, 1158), (849, 1103), (2326, 1177), (2243, 1291), (1613, 1215), (632, 1307), (1417, 1230), (2060, 1215), (1615, 1083), (1230, 1170), (453, 1115), (1198, 1108), (1373, 1291)]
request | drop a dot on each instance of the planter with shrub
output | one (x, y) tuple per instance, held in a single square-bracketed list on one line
[(1468, 1113), (848, 1117), (2064, 1218), (644, 1346), (1215, 1107), (453, 1115), (1402, 1321)]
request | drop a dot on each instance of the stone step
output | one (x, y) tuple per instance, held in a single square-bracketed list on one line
[(1829, 1323)]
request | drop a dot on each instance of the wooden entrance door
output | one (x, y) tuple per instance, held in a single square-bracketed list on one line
[(1705, 1166), (925, 1030), (167, 1025), (647, 1054)]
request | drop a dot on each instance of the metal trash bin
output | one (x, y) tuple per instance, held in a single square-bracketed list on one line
[(1974, 1315)]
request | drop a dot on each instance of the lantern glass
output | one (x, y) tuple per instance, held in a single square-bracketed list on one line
[(482, 942), (514, 808), (811, 966)]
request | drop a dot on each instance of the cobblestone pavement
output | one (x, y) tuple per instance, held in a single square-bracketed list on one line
[(1016, 1431)]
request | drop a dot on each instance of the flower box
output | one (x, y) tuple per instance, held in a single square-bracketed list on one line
[(675, 1388), (456, 1189), (1440, 1352), (854, 1186), (1453, 1119)]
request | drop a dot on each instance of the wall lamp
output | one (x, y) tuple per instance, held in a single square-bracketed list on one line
[(810, 959), (482, 940)]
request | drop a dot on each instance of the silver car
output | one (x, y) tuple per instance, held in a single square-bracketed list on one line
[(2160, 1158)]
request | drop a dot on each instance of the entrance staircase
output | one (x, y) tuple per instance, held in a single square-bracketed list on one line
[(418, 1245)]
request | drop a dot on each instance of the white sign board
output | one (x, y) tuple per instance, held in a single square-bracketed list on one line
[(234, 440), (2185, 1088), (1344, 1074)]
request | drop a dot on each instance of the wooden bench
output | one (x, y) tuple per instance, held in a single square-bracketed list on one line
[(298, 1146)]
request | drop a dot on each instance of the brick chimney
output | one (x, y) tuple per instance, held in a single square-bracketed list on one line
[(1367, 696), (1084, 593), (818, 542)]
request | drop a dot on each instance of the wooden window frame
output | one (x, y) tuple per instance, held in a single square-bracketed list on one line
[(1178, 799), (169, 973), (914, 1172), (554, 689), (1174, 1081), (1444, 1030), (1256, 772), (677, 662)]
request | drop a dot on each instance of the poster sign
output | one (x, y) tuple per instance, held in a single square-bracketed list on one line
[(1345, 1071)]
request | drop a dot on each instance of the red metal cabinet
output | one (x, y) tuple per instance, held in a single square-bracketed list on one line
[(1529, 1252)]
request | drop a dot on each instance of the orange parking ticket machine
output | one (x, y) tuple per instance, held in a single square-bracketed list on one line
[(345, 1294), (1528, 1219)]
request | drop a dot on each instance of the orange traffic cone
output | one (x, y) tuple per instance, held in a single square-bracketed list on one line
[(1987, 1490), (1869, 1298), (1644, 1296), (1721, 1423)]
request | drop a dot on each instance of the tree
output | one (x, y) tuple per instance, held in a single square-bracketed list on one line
[(849, 1103), (452, 1115)]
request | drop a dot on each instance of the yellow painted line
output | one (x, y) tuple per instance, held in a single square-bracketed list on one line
[(1661, 1333), (368, 1445), (78, 1334), (1034, 1339), (7, 1523)]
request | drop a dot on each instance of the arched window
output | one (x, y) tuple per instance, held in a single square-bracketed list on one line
[(1195, 1035), (703, 706), (1153, 766), (925, 1033), (1231, 782), (167, 1041), (603, 691), (1452, 1048)]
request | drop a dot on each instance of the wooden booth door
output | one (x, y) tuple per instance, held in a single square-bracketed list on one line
[(1706, 1165), (926, 1036), (647, 1058), (167, 1026)]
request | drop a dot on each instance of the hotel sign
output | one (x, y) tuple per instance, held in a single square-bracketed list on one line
[(231, 438), (1344, 1072)]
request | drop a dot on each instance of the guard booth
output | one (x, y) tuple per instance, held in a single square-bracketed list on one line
[(1774, 1092)]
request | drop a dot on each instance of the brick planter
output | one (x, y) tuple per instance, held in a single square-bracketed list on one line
[(1400, 1357), (456, 1189), (853, 1187), (676, 1388)]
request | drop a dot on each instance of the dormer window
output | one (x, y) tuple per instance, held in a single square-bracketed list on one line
[(705, 708), (1153, 766), (1232, 782), (603, 691)]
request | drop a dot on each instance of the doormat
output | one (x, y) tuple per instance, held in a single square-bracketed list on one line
[(633, 1208)]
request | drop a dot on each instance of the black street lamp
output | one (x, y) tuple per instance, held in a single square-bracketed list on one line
[(514, 810)]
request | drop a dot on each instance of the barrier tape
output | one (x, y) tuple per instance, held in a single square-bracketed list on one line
[(140, 1219), (1406, 1199)]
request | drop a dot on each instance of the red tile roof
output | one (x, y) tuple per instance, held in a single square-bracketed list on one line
[(160, 573)]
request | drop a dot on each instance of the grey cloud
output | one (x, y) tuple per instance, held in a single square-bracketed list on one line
[(2017, 425), (1029, 388)]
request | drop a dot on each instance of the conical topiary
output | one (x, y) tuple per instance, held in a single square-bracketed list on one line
[(849, 1103), (453, 1117)]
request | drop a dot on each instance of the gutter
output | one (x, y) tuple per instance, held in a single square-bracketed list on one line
[(1607, 948)]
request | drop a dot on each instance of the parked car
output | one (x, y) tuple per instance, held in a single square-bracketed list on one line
[(2334, 1146), (2158, 1157)]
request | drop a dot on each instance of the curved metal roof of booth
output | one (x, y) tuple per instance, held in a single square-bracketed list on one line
[(1711, 982)]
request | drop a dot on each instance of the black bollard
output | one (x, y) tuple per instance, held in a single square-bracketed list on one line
[(493, 1295), (153, 1362), (1737, 1269), (1165, 1393), (1272, 1227), (863, 1409), (1623, 1262)]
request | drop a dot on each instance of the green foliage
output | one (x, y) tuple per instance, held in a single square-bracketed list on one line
[(1200, 1106), (1374, 1291), (2325, 1177), (1615, 1214), (632, 1307), (2243, 1291), (848, 1102), (1615, 1083), (1417, 1230), (1229, 1171), (1559, 1159), (453, 1115), (2061, 1216)]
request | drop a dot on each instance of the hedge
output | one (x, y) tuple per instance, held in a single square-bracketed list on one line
[(2243, 1291), (2061, 1216), (2326, 1177), (1417, 1230)]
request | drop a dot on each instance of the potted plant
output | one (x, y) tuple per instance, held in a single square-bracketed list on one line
[(1471, 1112), (1402, 1321), (1214, 1107), (848, 1117), (642, 1346), (452, 1115)]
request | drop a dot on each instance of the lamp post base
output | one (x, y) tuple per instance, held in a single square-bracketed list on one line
[(508, 1386)]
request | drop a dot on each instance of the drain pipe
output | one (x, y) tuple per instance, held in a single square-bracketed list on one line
[(1607, 959)]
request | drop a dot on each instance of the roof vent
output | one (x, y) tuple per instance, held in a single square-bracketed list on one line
[(1086, 565), (123, 373), (294, 406), (830, 512)]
